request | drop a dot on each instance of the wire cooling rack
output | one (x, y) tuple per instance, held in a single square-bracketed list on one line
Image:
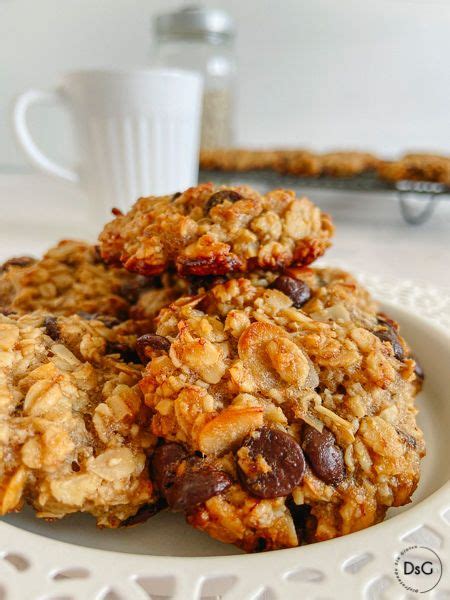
[(417, 199)]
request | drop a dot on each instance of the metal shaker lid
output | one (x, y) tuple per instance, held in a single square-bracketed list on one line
[(195, 22)]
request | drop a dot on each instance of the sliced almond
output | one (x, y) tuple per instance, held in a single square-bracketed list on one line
[(252, 348), (228, 429)]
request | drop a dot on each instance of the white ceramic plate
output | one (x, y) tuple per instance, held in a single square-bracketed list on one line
[(165, 558)]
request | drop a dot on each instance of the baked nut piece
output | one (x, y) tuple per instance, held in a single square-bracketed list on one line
[(74, 431), (288, 407), (70, 278), (347, 164), (211, 230), (417, 167)]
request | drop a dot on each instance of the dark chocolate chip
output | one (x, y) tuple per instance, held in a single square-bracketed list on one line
[(304, 522), (18, 261), (324, 455), (75, 466), (117, 212), (144, 513), (220, 197), (261, 544), (283, 457), (197, 482), (51, 328), (153, 342), (196, 485), (296, 289), (164, 464), (127, 354), (176, 195)]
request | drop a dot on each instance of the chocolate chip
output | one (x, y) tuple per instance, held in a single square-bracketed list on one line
[(153, 342), (165, 461), (127, 354), (388, 334), (18, 261), (296, 289), (51, 328), (117, 212), (323, 454), (197, 482), (274, 464), (196, 485), (304, 522), (176, 195), (220, 197), (75, 466), (144, 513)]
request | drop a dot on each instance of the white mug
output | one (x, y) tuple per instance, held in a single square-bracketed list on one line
[(137, 133)]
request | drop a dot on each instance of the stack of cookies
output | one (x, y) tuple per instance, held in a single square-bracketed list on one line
[(195, 361)]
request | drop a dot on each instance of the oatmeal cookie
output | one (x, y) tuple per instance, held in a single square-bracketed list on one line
[(211, 230), (74, 431), (347, 164), (417, 167), (70, 278), (298, 162), (287, 406)]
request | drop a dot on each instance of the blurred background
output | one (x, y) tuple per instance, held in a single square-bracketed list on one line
[(312, 73), (317, 74)]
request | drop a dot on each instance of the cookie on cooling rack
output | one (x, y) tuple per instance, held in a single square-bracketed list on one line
[(417, 167), (210, 230), (286, 407), (74, 431)]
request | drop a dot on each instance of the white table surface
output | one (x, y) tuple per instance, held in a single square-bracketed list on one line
[(370, 234)]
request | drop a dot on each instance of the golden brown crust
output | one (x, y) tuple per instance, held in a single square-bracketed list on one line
[(417, 167), (70, 278), (300, 162), (74, 432), (211, 230), (242, 358)]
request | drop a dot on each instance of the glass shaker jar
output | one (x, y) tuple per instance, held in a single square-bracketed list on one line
[(201, 39)]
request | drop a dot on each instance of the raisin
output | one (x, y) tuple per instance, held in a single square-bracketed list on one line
[(220, 197), (153, 342), (51, 328), (296, 289)]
